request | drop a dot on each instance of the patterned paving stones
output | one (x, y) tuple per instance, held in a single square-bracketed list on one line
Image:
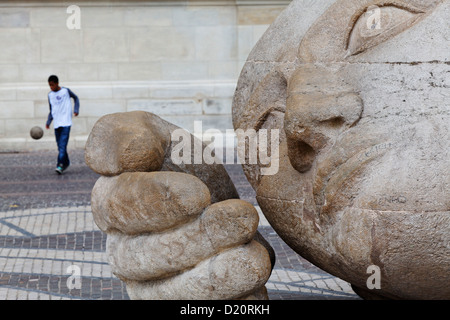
[(51, 249)]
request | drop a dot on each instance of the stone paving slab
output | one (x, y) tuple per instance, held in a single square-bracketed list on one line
[(47, 235)]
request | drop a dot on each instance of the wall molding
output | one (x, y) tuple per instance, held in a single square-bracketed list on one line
[(147, 3)]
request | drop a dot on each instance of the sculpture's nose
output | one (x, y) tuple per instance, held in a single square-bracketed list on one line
[(319, 106)]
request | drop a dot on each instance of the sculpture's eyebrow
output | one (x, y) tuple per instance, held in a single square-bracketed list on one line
[(355, 18)]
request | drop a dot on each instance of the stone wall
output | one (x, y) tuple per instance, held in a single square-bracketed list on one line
[(178, 59)]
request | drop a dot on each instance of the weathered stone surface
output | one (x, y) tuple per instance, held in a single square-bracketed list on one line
[(139, 202), (223, 225), (140, 141), (120, 143), (231, 274), (361, 102), (180, 232)]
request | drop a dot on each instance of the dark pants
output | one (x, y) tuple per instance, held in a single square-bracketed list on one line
[(62, 139)]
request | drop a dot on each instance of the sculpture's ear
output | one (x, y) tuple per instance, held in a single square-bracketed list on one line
[(269, 96), (264, 110), (319, 107)]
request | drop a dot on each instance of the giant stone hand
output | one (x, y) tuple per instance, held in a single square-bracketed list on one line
[(173, 231)]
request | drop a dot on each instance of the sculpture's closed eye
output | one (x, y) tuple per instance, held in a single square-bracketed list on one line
[(349, 28), (378, 24)]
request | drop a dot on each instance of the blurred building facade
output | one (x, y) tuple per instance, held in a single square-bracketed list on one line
[(178, 59)]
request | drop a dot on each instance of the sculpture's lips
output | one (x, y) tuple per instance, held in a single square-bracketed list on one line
[(331, 180), (327, 184)]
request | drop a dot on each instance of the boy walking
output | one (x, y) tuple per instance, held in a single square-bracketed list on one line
[(61, 114)]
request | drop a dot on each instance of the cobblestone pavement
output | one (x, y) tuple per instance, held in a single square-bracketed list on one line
[(48, 238)]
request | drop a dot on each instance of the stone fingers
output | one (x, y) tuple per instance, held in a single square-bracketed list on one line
[(163, 232), (231, 274), (139, 202), (170, 224), (151, 256), (127, 142), (140, 141)]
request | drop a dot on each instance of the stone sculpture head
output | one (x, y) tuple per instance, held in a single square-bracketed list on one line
[(359, 90)]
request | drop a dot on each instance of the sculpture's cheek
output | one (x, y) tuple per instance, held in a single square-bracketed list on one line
[(406, 169), (408, 259)]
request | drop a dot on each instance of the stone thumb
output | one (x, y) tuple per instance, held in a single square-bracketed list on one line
[(140, 141)]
